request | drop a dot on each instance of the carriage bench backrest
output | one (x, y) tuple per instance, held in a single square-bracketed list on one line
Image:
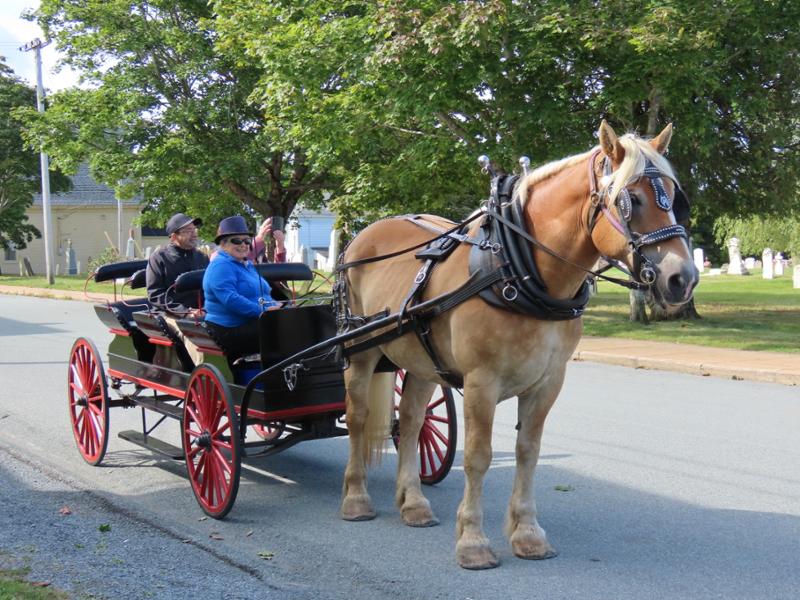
[(197, 333), (193, 280), (118, 270)]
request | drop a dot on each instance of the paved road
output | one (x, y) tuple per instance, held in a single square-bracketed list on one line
[(679, 487)]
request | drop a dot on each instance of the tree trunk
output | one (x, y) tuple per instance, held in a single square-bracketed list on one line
[(638, 307), (684, 312)]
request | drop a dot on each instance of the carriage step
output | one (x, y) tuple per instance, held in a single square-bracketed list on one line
[(154, 444), (160, 406)]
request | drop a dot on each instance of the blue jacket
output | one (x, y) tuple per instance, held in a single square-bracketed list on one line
[(233, 291)]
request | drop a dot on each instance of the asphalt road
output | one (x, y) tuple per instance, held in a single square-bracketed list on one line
[(677, 486)]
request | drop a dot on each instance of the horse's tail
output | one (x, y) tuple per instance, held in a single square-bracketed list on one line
[(379, 414)]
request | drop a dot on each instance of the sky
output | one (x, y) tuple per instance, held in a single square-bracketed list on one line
[(16, 32)]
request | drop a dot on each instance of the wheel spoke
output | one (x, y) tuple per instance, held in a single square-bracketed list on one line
[(436, 403), (438, 419)]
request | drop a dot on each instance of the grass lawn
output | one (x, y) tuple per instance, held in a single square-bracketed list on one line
[(746, 313), (14, 587), (742, 312)]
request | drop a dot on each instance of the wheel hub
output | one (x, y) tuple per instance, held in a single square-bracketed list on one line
[(204, 440)]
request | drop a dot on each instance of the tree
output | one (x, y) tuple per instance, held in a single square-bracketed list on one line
[(757, 232), (165, 114), (400, 97), (20, 175)]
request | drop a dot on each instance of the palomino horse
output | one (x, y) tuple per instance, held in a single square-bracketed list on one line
[(580, 207)]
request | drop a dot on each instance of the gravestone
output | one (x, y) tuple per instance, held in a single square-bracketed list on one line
[(750, 263), (699, 259), (735, 266), (333, 250), (768, 270), (796, 277), (72, 265), (778, 264), (292, 244)]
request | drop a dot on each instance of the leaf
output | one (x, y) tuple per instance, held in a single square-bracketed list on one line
[(564, 488), (216, 536), (40, 584), (266, 555), (104, 528), (65, 510)]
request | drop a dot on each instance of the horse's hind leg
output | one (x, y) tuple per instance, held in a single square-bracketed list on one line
[(472, 545), (414, 507), (528, 539), (356, 503)]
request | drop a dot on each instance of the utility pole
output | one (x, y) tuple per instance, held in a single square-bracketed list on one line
[(36, 45)]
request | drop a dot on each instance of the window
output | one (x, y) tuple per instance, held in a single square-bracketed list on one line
[(10, 253)]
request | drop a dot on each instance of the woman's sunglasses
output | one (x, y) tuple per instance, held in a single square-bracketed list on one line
[(240, 241)]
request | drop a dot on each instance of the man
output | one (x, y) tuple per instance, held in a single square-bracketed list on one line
[(179, 256)]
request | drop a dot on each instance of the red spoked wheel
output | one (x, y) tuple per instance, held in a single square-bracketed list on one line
[(269, 432), (438, 435), (87, 392), (211, 443)]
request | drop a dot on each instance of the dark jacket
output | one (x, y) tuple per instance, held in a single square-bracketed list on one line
[(163, 268)]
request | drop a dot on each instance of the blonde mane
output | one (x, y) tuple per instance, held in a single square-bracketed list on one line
[(637, 152)]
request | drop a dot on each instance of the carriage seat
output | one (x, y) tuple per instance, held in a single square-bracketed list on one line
[(274, 273)]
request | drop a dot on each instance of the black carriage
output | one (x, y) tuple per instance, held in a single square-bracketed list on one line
[(293, 391)]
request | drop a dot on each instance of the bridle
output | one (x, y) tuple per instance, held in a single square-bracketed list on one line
[(644, 271)]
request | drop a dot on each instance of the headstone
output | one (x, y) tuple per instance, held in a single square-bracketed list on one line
[(130, 250), (750, 263), (699, 259), (778, 264), (768, 271), (333, 250), (292, 244), (147, 252), (72, 265), (735, 266), (796, 277)]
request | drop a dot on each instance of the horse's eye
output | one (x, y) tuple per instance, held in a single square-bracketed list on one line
[(635, 200)]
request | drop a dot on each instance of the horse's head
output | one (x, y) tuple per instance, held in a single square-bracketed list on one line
[(635, 214)]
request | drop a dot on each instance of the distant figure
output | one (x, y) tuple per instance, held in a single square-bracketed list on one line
[(235, 294), (167, 263)]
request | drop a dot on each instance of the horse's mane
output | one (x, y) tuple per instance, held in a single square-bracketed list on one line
[(637, 152)]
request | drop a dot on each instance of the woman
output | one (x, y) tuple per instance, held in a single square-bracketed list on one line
[(258, 252), (235, 294)]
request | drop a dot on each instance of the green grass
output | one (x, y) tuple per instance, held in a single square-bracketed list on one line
[(14, 587), (745, 313), (63, 282)]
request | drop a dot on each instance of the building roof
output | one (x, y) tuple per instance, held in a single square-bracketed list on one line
[(85, 192)]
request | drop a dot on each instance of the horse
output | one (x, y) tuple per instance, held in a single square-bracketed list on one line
[(576, 210)]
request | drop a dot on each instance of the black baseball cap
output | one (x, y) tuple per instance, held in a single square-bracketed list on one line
[(180, 220)]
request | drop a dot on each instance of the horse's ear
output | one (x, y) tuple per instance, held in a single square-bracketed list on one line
[(661, 141), (609, 142)]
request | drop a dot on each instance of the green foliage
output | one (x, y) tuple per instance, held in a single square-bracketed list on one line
[(107, 256), (399, 98), (19, 168), (165, 114), (757, 232)]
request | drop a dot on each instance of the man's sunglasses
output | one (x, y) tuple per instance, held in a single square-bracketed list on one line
[(240, 241)]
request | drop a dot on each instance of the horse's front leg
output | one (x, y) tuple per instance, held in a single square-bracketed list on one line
[(528, 539), (356, 503), (472, 545), (414, 507)]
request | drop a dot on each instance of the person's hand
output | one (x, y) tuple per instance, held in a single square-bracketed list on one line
[(197, 313), (279, 238), (265, 229)]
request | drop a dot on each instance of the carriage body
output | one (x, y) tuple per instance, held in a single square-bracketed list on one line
[(175, 367)]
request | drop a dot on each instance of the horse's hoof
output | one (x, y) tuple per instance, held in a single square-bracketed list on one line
[(476, 558), (533, 549), (357, 509), (419, 516)]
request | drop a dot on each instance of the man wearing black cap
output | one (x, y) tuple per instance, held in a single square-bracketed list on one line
[(166, 263)]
